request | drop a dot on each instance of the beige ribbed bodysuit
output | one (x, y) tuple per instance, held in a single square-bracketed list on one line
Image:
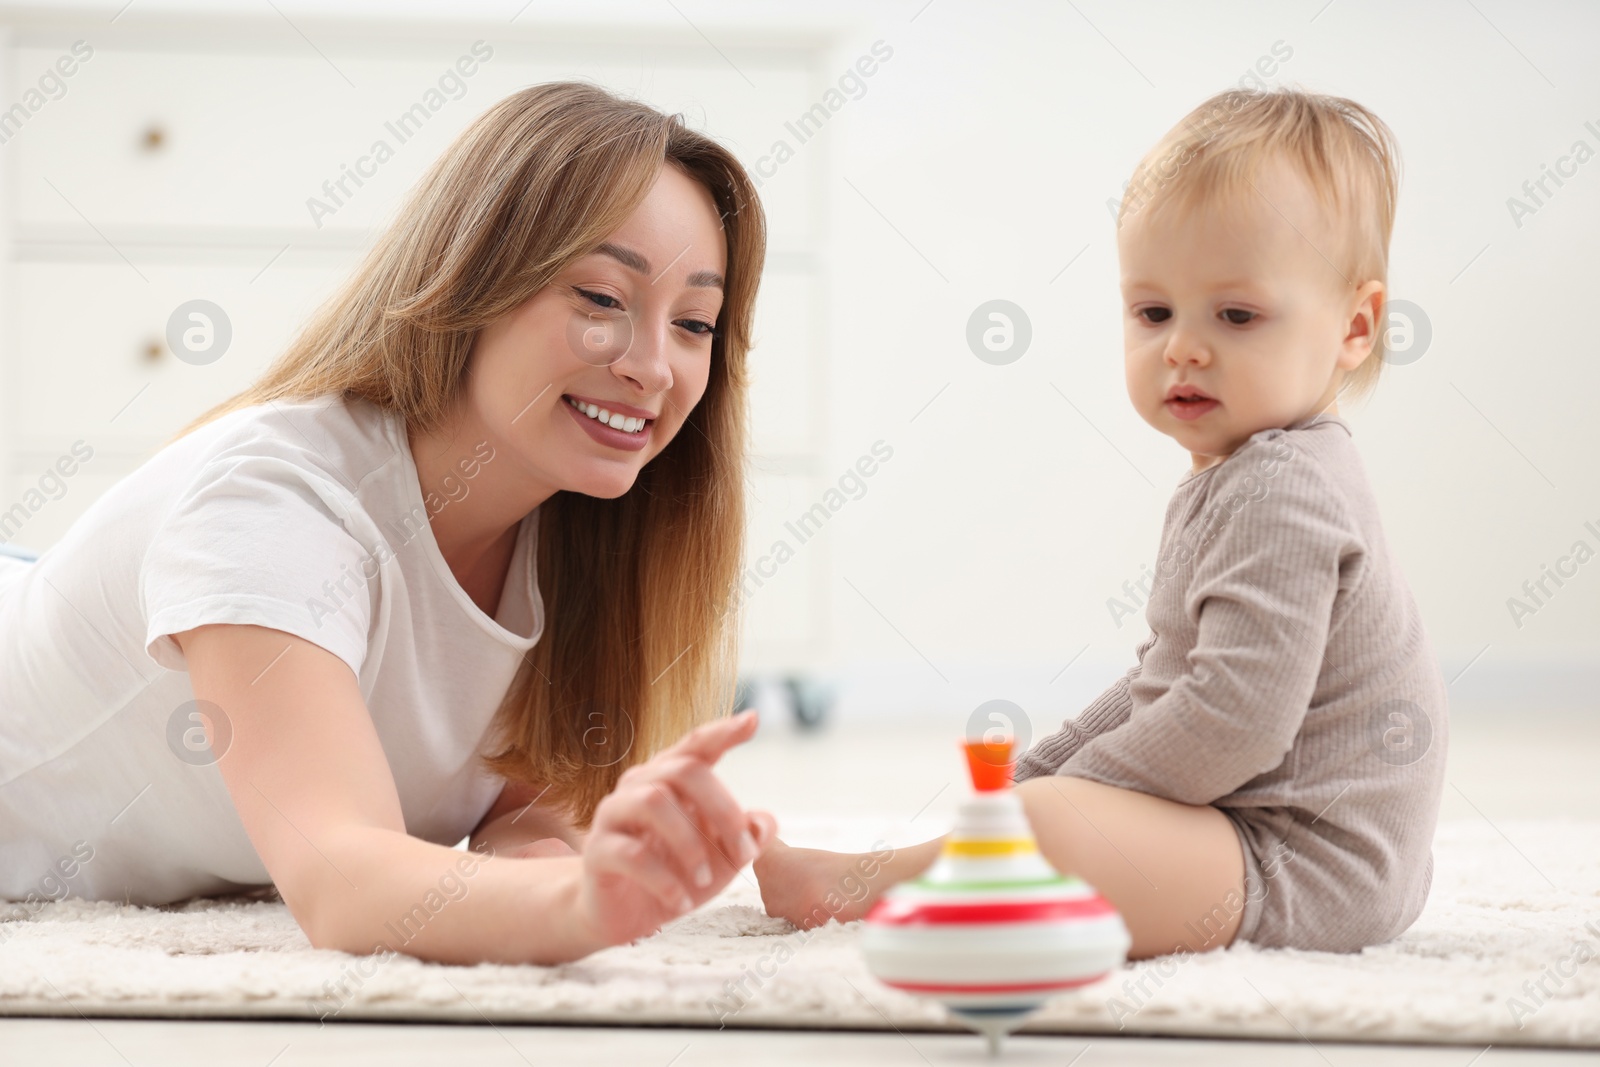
[(1287, 681)]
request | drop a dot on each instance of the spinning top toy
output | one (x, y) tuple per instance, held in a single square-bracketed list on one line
[(991, 930)]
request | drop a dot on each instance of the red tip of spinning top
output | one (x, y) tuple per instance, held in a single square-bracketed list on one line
[(990, 764)]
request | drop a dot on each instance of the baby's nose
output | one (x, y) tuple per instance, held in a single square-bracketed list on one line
[(1184, 347)]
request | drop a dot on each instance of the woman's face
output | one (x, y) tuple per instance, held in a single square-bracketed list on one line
[(593, 375)]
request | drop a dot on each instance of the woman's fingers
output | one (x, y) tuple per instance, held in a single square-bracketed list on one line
[(627, 856), (662, 817), (710, 741), (685, 770), (672, 829), (710, 805)]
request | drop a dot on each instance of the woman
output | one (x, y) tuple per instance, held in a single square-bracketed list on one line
[(526, 407)]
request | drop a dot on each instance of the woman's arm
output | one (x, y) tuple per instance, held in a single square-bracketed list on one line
[(314, 791), (313, 788)]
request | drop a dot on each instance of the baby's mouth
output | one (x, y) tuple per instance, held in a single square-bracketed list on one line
[(1187, 402)]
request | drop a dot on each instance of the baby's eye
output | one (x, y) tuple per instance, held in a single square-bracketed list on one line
[(1238, 316), (1154, 315), (598, 298)]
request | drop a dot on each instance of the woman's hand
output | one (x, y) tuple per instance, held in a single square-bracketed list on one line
[(669, 837)]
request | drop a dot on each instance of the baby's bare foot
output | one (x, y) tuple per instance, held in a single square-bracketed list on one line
[(809, 886)]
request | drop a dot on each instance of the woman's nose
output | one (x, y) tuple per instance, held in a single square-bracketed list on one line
[(646, 365)]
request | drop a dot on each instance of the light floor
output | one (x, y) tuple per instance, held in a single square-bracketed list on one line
[(1501, 767), (119, 1043)]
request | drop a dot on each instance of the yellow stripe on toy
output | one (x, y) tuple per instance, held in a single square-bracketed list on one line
[(991, 847)]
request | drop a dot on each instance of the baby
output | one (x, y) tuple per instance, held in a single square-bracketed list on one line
[(1270, 769)]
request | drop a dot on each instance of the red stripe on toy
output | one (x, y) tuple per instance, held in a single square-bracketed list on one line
[(894, 912)]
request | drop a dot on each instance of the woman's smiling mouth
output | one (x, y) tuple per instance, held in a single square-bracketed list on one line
[(614, 425)]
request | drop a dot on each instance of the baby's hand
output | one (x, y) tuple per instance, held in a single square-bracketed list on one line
[(809, 886), (545, 846)]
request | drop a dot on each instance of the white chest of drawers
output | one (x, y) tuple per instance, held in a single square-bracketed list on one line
[(183, 158)]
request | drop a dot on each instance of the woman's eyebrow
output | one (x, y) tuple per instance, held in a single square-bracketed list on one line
[(626, 256), (706, 279)]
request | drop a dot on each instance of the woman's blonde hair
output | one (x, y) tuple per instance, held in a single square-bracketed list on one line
[(640, 591), (1349, 156)]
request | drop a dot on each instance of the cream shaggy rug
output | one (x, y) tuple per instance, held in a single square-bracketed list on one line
[(1506, 953)]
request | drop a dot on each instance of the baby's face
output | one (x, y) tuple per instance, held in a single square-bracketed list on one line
[(1242, 309)]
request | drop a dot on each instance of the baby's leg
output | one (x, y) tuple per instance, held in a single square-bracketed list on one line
[(809, 886), (1174, 871)]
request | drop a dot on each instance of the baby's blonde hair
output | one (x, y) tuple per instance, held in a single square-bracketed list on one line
[(1346, 152)]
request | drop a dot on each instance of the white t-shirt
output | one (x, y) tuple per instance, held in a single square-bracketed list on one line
[(302, 516)]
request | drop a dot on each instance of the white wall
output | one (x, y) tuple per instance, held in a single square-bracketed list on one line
[(991, 143), (976, 164)]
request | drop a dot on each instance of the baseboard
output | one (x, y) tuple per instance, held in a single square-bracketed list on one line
[(1048, 693)]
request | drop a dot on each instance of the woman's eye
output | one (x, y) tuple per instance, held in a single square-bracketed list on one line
[(600, 299), (697, 326), (1155, 315), (1238, 316)]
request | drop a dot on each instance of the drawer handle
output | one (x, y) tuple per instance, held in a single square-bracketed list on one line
[(154, 139), (153, 350)]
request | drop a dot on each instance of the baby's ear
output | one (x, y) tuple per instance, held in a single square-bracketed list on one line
[(1367, 320)]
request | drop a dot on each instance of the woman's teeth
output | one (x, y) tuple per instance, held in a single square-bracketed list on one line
[(625, 423)]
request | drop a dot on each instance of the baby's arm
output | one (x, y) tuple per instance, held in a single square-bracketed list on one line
[(1262, 590), (1109, 711), (517, 825)]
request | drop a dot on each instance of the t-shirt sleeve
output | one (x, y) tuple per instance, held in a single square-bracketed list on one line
[(263, 541), (1262, 593)]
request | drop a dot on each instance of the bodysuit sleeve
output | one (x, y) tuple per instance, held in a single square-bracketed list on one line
[(1110, 709), (1262, 593)]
